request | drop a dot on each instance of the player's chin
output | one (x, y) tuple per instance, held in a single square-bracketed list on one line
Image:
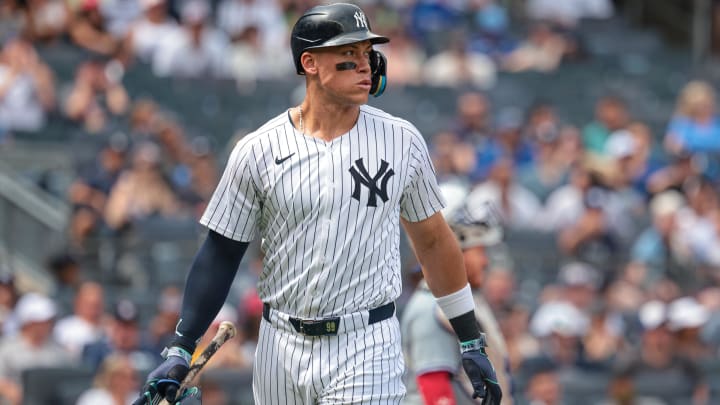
[(358, 95)]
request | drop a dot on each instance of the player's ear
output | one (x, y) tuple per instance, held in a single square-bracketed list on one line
[(309, 63)]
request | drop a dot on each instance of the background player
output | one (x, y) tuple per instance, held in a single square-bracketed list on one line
[(433, 360), (325, 184)]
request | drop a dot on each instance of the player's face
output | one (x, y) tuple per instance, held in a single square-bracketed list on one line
[(352, 85)]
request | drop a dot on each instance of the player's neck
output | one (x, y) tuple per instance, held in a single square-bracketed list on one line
[(324, 121)]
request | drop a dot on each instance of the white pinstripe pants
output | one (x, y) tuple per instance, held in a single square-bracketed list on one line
[(357, 366)]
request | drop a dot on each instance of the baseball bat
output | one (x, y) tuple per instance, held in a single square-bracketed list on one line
[(225, 332)]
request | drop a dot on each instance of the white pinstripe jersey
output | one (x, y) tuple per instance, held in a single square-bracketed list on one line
[(327, 212)]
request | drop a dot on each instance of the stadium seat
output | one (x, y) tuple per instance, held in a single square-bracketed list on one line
[(57, 386), (235, 384), (672, 387), (711, 372), (584, 387)]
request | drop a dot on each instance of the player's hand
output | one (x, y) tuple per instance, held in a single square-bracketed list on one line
[(164, 381), (190, 396), (482, 376)]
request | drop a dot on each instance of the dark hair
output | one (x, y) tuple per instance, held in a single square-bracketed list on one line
[(613, 99), (61, 261)]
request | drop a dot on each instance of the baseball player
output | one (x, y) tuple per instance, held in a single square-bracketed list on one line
[(325, 185), (428, 342)]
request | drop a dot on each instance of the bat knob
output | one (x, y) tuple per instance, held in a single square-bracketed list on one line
[(171, 393), (228, 328)]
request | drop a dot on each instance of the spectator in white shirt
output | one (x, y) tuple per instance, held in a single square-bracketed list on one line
[(27, 90), (86, 324), (119, 15), (151, 29), (519, 207), (249, 61), (568, 12), (32, 347), (235, 16), (196, 50), (456, 66), (115, 383)]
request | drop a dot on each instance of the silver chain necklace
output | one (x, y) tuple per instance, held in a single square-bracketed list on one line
[(300, 120)]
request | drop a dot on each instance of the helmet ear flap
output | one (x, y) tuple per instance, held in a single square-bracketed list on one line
[(378, 66)]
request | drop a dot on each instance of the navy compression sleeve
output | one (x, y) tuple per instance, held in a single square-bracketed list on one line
[(207, 286)]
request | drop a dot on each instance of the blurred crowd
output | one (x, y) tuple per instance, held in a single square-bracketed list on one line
[(110, 340), (633, 214), (439, 43)]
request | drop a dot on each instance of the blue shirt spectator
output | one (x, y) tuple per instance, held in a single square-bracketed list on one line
[(694, 136), (430, 20), (695, 127), (487, 152)]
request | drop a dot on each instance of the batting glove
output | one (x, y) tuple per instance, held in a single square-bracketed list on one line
[(480, 371), (191, 396), (164, 381)]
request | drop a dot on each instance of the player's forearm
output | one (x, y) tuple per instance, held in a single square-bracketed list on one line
[(444, 271), (207, 287), (443, 266), (439, 254)]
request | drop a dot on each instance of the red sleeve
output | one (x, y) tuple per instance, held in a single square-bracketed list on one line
[(435, 388)]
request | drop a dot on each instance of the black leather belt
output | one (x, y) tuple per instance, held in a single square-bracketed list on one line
[(329, 326)]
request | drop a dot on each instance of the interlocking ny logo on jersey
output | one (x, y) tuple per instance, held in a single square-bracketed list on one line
[(360, 20), (361, 176)]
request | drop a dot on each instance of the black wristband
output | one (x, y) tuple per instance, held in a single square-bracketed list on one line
[(466, 326), (184, 343)]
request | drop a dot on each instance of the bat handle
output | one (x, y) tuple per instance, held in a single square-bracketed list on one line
[(225, 332)]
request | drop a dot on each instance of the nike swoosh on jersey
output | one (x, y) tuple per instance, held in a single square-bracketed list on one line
[(279, 161)]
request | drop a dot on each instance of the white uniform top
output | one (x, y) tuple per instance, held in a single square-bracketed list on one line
[(327, 212)]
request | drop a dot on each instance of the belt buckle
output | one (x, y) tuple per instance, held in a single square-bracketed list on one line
[(319, 327), (306, 326)]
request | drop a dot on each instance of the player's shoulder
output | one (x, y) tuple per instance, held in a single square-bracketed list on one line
[(378, 114), (276, 123)]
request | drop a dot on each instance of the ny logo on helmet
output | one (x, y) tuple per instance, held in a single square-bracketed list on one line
[(362, 177), (360, 20)]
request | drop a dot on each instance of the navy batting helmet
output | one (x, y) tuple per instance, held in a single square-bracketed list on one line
[(330, 25)]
